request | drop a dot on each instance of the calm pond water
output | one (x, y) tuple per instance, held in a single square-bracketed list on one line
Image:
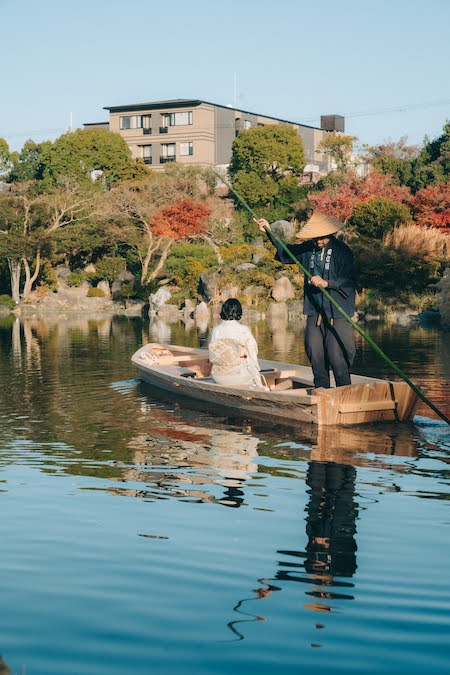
[(143, 537)]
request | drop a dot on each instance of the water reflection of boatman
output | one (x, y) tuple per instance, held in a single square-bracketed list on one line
[(331, 547), (330, 526)]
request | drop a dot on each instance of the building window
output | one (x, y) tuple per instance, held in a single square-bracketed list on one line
[(147, 154), (177, 119), (168, 153), (143, 121), (135, 122), (186, 149), (247, 124)]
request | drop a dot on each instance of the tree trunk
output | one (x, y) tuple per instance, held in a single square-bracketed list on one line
[(161, 261), (29, 280), (214, 247), (14, 274)]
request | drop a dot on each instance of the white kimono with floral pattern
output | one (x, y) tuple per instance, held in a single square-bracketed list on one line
[(233, 352)]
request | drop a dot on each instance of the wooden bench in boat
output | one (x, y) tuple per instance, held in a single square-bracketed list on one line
[(280, 381), (300, 382)]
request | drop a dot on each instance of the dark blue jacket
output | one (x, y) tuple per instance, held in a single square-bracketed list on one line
[(339, 271)]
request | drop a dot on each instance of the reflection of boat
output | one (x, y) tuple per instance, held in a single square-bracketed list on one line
[(292, 398)]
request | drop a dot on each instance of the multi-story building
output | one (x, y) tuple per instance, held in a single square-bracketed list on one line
[(198, 132)]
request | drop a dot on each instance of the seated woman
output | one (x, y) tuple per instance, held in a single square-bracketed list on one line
[(233, 351)]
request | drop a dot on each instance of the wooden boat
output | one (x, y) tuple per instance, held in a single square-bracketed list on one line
[(292, 398)]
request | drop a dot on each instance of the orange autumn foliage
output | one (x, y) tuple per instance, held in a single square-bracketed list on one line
[(185, 218), (339, 201), (430, 206)]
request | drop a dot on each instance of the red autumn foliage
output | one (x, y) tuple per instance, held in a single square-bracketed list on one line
[(431, 206), (340, 201), (184, 218)]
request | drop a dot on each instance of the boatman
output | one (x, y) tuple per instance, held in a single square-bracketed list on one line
[(329, 339)]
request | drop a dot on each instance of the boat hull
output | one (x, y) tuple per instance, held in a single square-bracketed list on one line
[(184, 372)]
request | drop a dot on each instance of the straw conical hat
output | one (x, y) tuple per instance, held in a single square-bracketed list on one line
[(319, 225)]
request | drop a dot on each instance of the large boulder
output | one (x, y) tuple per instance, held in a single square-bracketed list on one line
[(283, 290), (208, 286), (158, 299), (283, 229), (201, 310), (104, 286)]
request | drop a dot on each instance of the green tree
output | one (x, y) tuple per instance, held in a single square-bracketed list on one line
[(264, 160), (433, 163), (5, 157), (339, 147), (76, 154), (16, 219), (27, 164), (28, 223)]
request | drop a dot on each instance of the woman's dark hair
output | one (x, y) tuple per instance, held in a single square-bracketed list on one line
[(231, 309)]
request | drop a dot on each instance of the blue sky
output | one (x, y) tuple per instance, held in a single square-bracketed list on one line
[(384, 65)]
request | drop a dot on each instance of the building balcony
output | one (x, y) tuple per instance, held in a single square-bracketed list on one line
[(164, 160)]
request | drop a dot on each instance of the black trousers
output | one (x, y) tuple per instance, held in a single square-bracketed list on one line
[(330, 346)]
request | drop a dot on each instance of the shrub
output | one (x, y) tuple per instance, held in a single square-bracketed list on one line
[(127, 290), (107, 269), (389, 272), (95, 293), (187, 262), (370, 302), (7, 301), (48, 276), (236, 253), (376, 217), (76, 279)]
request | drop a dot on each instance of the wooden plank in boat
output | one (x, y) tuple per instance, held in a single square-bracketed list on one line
[(365, 407)]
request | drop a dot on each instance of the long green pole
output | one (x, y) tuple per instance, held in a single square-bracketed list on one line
[(339, 308)]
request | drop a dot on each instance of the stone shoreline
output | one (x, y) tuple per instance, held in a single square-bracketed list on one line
[(280, 310)]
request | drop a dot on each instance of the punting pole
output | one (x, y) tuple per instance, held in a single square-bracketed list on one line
[(339, 308)]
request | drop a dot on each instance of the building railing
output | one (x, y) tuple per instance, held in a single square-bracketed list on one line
[(147, 131), (163, 130), (163, 160), (148, 160)]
